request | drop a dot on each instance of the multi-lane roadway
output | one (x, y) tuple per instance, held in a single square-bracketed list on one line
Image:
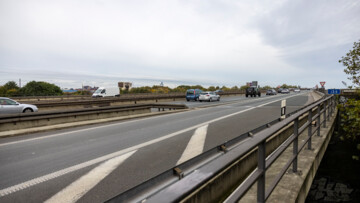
[(96, 162)]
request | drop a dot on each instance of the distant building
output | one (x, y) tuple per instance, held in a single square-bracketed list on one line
[(69, 90), (125, 85)]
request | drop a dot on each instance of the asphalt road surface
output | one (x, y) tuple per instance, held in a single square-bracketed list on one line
[(96, 162)]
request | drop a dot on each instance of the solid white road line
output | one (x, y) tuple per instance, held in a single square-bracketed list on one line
[(56, 174), (195, 145), (36, 181), (80, 187)]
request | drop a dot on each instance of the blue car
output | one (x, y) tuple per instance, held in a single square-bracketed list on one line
[(193, 94)]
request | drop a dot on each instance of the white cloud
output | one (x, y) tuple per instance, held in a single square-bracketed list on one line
[(225, 42)]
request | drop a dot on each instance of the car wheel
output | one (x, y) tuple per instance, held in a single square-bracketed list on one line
[(200, 100), (27, 110), (254, 95), (259, 95), (187, 100), (210, 100), (219, 99), (247, 95)]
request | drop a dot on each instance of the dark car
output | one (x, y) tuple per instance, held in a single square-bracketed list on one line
[(193, 94), (279, 90), (252, 91), (271, 92)]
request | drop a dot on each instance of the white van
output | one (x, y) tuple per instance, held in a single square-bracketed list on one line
[(107, 92)]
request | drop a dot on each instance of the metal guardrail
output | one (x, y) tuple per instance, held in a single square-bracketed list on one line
[(125, 97), (175, 184), (7, 118)]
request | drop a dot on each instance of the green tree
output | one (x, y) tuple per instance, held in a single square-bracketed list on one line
[(266, 87), (244, 87), (9, 89), (211, 88), (350, 122), (224, 88), (11, 85), (235, 88), (352, 63), (34, 88), (145, 89)]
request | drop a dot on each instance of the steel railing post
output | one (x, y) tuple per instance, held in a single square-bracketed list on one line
[(295, 144), (261, 167), (310, 128), (324, 106), (328, 107), (318, 120)]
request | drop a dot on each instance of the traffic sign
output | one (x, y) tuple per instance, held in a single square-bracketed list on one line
[(322, 83), (333, 91)]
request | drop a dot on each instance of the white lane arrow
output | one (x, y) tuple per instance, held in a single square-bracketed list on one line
[(81, 186), (195, 145)]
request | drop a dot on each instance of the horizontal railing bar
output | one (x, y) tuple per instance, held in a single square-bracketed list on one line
[(278, 177), (303, 127), (245, 186), (304, 143), (272, 157)]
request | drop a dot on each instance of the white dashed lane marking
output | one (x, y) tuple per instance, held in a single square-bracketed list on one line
[(80, 187), (59, 173)]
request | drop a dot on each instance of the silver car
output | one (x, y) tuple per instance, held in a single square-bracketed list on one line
[(209, 96), (9, 106), (285, 91)]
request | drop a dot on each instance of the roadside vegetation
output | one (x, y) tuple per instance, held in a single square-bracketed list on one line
[(350, 110), (33, 88)]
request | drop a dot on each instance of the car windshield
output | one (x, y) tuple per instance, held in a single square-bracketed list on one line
[(190, 92), (204, 93), (98, 91), (7, 102)]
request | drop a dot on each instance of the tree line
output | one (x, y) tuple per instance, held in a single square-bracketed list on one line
[(35, 88)]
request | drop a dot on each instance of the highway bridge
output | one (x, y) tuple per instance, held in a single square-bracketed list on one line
[(144, 156)]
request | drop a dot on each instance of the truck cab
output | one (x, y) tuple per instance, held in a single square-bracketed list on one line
[(253, 91)]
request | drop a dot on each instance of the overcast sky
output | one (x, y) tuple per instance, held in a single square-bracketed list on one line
[(205, 42)]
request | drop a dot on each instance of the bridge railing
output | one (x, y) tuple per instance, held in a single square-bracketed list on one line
[(265, 162), (185, 180)]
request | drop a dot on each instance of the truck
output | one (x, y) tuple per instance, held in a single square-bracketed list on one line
[(253, 91), (107, 92)]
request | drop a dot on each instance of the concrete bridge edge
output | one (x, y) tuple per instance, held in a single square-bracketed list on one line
[(304, 190)]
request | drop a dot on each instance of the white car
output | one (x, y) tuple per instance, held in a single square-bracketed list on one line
[(209, 96), (297, 90), (9, 106)]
